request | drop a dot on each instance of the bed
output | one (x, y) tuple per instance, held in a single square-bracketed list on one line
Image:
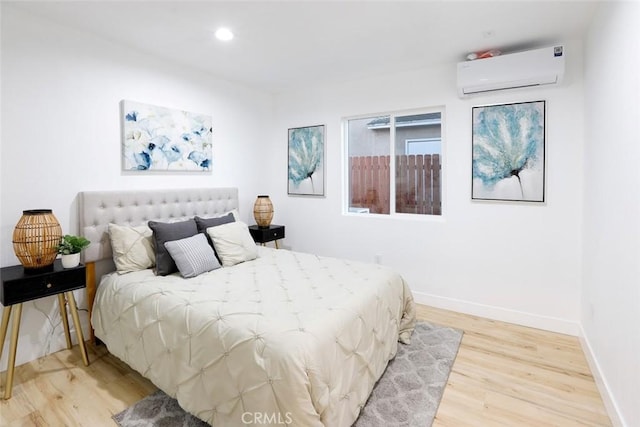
[(285, 339)]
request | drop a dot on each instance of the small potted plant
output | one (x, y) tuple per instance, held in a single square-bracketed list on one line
[(70, 247)]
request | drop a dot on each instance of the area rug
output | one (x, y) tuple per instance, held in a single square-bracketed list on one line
[(407, 395)]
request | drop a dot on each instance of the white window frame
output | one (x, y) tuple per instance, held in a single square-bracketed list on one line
[(347, 211)]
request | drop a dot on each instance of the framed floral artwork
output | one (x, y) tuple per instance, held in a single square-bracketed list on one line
[(306, 161), (163, 139), (508, 152)]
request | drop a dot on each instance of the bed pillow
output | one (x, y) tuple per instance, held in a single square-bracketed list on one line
[(204, 223), (132, 247), (233, 243), (167, 232), (192, 255)]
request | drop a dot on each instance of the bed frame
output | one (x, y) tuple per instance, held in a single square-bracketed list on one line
[(99, 208)]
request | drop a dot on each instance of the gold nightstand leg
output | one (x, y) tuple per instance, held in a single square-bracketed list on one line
[(65, 321), (11, 364), (76, 323), (277, 246), (6, 313)]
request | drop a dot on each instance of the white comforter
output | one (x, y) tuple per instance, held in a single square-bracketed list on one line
[(287, 338)]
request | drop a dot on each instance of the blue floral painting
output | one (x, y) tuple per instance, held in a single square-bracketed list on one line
[(306, 160), (508, 152), (162, 139)]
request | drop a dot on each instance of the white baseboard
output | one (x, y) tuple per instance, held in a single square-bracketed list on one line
[(603, 387), (547, 323)]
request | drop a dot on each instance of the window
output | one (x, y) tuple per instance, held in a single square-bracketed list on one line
[(411, 183)]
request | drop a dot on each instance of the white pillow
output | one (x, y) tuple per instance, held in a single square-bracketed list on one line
[(132, 247), (233, 243), (192, 255)]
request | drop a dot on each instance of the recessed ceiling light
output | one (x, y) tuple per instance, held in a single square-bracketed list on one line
[(224, 34)]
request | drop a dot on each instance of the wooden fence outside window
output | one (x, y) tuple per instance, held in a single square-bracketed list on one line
[(417, 184)]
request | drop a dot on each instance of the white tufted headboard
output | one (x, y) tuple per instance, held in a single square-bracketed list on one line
[(99, 208)]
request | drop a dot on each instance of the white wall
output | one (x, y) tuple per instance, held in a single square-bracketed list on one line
[(611, 269), (510, 261), (61, 91)]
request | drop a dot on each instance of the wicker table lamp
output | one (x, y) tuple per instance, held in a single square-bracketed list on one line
[(36, 238), (263, 211)]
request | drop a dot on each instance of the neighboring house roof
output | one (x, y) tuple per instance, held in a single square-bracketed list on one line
[(427, 119)]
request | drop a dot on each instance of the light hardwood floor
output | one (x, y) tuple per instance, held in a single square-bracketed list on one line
[(504, 375)]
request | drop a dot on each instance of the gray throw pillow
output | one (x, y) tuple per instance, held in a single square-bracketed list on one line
[(192, 255), (204, 223), (167, 232)]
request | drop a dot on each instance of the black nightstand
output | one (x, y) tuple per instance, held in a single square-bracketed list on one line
[(273, 233), (20, 285)]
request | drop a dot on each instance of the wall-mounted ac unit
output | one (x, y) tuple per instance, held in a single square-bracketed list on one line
[(516, 70)]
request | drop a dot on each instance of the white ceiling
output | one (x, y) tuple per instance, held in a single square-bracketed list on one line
[(284, 45)]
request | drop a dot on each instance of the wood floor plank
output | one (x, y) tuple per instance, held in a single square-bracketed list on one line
[(512, 375), (504, 375)]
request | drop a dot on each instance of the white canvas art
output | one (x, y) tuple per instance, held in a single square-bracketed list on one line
[(162, 139), (306, 161), (509, 152)]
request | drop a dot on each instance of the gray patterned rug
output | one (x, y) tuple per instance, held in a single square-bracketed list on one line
[(407, 395)]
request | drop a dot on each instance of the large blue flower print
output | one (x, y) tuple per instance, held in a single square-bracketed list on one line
[(507, 139), (306, 147)]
